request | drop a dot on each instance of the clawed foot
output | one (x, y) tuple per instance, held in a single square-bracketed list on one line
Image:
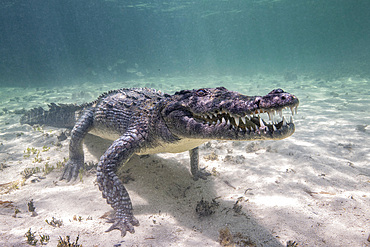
[(71, 170), (124, 225), (202, 173)]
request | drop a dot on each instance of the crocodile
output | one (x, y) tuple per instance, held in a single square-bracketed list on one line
[(146, 121)]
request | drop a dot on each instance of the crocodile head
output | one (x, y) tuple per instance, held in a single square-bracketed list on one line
[(217, 113)]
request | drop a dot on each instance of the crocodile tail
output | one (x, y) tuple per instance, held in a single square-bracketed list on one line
[(58, 115)]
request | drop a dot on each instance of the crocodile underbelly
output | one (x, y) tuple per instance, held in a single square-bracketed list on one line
[(182, 145), (175, 147)]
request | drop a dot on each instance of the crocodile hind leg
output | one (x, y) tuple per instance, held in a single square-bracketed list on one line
[(194, 165), (111, 186), (76, 153)]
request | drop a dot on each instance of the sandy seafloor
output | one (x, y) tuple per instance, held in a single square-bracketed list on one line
[(312, 188)]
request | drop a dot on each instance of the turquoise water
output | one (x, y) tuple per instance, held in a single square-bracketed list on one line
[(67, 42)]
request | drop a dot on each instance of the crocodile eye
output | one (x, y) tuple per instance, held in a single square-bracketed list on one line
[(201, 92)]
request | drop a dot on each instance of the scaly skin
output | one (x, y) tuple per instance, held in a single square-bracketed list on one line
[(146, 121)]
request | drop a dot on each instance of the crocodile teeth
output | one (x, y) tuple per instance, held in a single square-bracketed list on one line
[(236, 121), (255, 122), (271, 116), (294, 110), (261, 123)]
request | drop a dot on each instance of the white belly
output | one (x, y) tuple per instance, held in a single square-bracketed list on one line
[(177, 147)]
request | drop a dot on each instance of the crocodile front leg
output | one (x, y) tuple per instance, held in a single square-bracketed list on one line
[(194, 165), (76, 153), (111, 186)]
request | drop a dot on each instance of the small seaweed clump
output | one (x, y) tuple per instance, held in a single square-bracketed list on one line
[(205, 208), (44, 239), (292, 243), (77, 219), (54, 222), (227, 239), (28, 172), (16, 211), (31, 238), (66, 242), (32, 208)]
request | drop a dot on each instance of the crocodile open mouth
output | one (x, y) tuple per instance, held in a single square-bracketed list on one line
[(260, 121)]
